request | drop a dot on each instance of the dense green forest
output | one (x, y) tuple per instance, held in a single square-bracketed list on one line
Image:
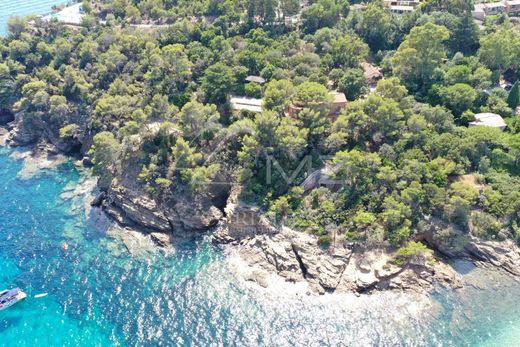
[(397, 153)]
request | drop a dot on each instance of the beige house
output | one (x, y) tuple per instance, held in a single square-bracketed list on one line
[(372, 74), (339, 100), (481, 11)]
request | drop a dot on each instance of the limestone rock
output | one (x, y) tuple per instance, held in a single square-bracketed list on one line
[(20, 135), (129, 208), (192, 215), (98, 200), (259, 277), (161, 239), (446, 274), (182, 214), (4, 134), (505, 255)]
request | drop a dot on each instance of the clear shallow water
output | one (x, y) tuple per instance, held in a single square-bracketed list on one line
[(24, 8), (100, 295)]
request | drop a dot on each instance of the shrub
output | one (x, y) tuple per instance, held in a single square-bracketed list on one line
[(68, 131), (485, 225), (410, 250), (325, 240), (253, 90)]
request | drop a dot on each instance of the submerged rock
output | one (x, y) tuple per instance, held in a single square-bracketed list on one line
[(37, 160), (135, 242)]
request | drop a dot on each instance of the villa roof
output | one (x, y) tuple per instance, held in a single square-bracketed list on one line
[(338, 97), (401, 8), (371, 72), (239, 103), (255, 79), (489, 119)]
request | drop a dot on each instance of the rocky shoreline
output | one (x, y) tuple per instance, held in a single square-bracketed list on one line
[(264, 254), (297, 257), (261, 250)]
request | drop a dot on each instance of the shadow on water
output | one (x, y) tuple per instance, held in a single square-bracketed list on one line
[(9, 322), (462, 266)]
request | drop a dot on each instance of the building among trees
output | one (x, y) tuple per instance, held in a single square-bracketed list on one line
[(481, 11), (401, 6), (489, 119), (239, 103), (372, 74), (337, 102)]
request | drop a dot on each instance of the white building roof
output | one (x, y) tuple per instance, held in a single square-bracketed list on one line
[(255, 79), (401, 8), (338, 97), (239, 103), (489, 119), (69, 15)]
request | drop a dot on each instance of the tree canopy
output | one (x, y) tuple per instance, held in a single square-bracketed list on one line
[(151, 104)]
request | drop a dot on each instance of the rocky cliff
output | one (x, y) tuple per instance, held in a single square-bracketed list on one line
[(125, 199), (501, 254), (24, 133), (136, 208), (343, 267), (296, 257), (263, 250)]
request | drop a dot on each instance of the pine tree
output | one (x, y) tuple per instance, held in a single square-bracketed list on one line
[(465, 36), (513, 99)]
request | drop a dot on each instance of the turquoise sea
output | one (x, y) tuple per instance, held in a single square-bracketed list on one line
[(101, 295), (24, 8)]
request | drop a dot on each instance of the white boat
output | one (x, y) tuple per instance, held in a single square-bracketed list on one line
[(10, 297)]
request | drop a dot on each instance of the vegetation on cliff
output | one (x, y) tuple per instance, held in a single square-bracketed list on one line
[(157, 98)]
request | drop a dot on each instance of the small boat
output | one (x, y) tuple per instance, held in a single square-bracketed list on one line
[(10, 297)]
